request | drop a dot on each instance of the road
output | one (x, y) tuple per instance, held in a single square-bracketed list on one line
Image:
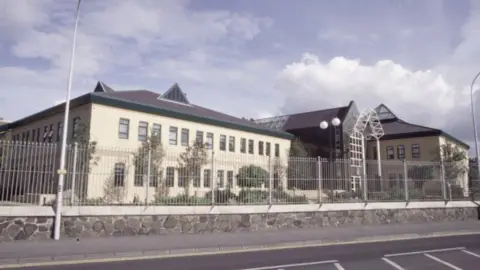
[(453, 252)]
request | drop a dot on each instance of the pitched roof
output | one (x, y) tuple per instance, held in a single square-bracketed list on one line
[(149, 102), (304, 120), (396, 128)]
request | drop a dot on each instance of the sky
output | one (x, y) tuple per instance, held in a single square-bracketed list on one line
[(250, 58)]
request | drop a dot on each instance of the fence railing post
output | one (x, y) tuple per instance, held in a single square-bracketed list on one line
[(364, 170), (149, 175), (320, 182), (74, 173), (270, 180), (213, 178), (442, 180), (405, 179)]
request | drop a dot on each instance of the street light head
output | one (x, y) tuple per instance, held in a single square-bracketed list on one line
[(323, 125), (335, 122)]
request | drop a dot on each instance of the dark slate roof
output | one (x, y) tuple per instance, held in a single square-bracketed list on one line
[(396, 128), (304, 120), (151, 102)]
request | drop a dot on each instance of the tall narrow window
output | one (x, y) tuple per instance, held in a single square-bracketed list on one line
[(390, 152), (230, 178), (250, 146), (119, 175), (123, 128), (209, 140), (207, 177), (415, 151), (260, 148), (157, 130), (374, 152), (75, 127), (199, 137), (142, 131), (38, 135), (277, 150), (45, 133), (59, 131), (223, 142), (173, 136), (50, 133), (170, 177), (401, 152), (34, 135), (267, 148), (231, 144), (243, 145), (221, 178), (185, 137)]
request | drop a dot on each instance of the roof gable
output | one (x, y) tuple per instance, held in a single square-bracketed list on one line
[(384, 113), (103, 88), (175, 94)]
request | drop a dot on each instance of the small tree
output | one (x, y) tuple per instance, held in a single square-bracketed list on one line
[(151, 150), (455, 161), (301, 169), (190, 164), (252, 176)]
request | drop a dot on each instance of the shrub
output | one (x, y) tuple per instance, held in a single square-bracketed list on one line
[(181, 200), (252, 176), (221, 196)]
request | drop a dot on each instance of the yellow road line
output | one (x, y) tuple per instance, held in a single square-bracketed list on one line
[(220, 252)]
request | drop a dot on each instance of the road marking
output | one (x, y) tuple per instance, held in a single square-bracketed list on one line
[(392, 263), (471, 253), (423, 252), (442, 262), (395, 238), (339, 266), (291, 265)]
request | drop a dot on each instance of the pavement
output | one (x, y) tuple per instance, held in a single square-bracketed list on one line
[(200, 250), (436, 253)]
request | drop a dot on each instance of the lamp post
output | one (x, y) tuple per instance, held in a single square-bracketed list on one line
[(475, 124), (62, 171), (324, 125)]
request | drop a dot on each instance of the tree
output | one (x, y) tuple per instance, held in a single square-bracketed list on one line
[(151, 151), (301, 171), (252, 176), (473, 180), (190, 164), (454, 160)]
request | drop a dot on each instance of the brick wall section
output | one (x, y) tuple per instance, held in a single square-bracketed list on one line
[(40, 228)]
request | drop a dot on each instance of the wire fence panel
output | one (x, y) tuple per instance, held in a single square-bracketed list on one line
[(154, 175)]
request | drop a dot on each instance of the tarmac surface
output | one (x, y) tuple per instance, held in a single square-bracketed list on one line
[(453, 252)]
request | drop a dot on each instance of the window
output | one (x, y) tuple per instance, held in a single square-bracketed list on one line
[(184, 137), (250, 146), (123, 128), (139, 173), (401, 152), (260, 148), (207, 177), (243, 145), (50, 133), (230, 178), (119, 174), (390, 152), (27, 135), (209, 140), (415, 151), (157, 130), (267, 149), (34, 135), (196, 177), (223, 142), (170, 177), (38, 135), (76, 122), (172, 136), (199, 137), (45, 133), (277, 150), (221, 178), (231, 144), (375, 154), (142, 131), (59, 131)]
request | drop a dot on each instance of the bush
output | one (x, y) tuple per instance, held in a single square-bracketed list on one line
[(252, 176), (181, 200), (248, 196), (221, 196)]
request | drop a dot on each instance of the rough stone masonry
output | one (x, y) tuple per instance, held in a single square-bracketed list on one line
[(19, 228)]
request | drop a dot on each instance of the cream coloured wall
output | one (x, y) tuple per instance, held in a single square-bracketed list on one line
[(112, 149), (428, 148)]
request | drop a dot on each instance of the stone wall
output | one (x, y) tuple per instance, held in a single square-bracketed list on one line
[(157, 225), (40, 228), (25, 228)]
